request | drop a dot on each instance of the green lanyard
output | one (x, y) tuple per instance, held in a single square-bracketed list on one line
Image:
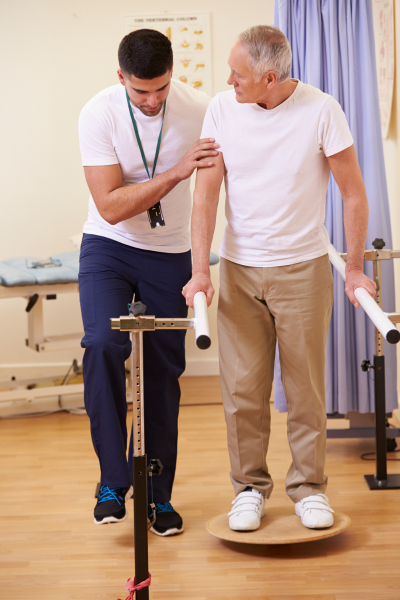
[(140, 143)]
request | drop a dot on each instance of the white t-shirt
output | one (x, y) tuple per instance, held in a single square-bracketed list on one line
[(107, 137), (276, 174)]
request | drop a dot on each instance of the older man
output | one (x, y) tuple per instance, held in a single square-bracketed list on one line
[(279, 140)]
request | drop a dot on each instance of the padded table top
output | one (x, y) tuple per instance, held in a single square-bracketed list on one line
[(20, 272)]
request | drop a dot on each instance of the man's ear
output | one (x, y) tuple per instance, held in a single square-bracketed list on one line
[(121, 77), (271, 79)]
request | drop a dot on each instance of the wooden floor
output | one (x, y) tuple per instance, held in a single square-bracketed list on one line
[(50, 549)]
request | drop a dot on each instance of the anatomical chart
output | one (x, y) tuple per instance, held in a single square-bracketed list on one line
[(384, 42), (190, 37)]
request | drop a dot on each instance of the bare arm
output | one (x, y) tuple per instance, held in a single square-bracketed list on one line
[(205, 204), (347, 174), (116, 203)]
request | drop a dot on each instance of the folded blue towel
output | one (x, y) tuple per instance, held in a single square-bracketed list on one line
[(62, 268)]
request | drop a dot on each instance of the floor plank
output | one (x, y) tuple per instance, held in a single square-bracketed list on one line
[(49, 547)]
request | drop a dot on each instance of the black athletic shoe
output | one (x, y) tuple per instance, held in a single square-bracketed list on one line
[(167, 522), (110, 507)]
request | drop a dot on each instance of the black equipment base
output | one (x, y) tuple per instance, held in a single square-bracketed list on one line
[(391, 483)]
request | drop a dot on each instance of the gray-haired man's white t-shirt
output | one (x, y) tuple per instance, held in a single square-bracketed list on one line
[(107, 137), (277, 174)]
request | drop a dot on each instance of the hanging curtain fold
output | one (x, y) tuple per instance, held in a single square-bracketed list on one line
[(334, 50)]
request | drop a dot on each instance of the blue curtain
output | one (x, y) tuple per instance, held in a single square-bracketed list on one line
[(334, 50)]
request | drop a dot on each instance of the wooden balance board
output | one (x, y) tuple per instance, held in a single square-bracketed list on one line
[(279, 526)]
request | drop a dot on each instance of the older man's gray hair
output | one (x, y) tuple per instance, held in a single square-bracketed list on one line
[(269, 50)]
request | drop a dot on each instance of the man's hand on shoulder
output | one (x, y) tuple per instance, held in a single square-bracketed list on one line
[(357, 279), (200, 282), (196, 158)]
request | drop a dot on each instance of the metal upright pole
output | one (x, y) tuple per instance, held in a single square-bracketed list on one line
[(381, 480), (138, 393), (139, 468), (137, 322), (380, 420), (379, 386)]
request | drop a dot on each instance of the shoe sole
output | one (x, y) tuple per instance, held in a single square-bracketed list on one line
[(173, 531), (107, 520)]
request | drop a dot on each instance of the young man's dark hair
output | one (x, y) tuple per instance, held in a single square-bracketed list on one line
[(145, 53)]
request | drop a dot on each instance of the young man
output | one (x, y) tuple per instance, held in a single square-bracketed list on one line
[(140, 144), (279, 140)]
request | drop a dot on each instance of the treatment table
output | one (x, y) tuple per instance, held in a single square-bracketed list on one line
[(39, 280)]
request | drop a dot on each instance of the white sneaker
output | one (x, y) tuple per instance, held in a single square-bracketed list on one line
[(248, 509), (315, 512)]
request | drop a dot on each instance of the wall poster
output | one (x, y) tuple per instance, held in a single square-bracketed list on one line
[(384, 43), (190, 37)]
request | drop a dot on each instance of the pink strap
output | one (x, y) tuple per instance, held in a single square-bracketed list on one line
[(132, 588)]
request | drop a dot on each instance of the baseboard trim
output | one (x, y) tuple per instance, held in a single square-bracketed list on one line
[(206, 367), (194, 368), (27, 370)]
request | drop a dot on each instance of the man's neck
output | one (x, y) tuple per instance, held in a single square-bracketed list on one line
[(281, 92)]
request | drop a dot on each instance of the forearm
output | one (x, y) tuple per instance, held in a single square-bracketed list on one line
[(204, 217), (126, 202), (355, 213), (347, 174)]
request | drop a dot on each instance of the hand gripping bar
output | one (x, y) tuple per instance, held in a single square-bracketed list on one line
[(201, 325), (373, 310)]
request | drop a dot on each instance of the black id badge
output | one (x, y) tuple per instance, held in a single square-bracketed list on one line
[(156, 217)]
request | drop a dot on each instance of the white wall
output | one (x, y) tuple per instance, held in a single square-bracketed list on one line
[(391, 151), (55, 55)]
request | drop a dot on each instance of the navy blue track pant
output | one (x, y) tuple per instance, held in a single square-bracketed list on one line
[(110, 274)]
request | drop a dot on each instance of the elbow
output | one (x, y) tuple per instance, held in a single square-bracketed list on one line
[(109, 217), (111, 220), (106, 213)]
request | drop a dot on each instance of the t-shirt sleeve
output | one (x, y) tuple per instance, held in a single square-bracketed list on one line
[(95, 140), (210, 124), (333, 130)]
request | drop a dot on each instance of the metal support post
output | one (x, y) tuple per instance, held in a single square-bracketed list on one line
[(380, 418), (381, 480), (140, 523), (377, 274), (137, 392), (137, 323), (139, 467)]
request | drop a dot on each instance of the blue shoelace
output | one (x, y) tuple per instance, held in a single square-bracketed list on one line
[(164, 507), (110, 493)]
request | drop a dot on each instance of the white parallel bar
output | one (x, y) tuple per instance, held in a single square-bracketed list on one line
[(375, 313), (337, 261), (201, 325)]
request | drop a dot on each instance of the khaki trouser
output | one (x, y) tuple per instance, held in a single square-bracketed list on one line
[(257, 305)]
